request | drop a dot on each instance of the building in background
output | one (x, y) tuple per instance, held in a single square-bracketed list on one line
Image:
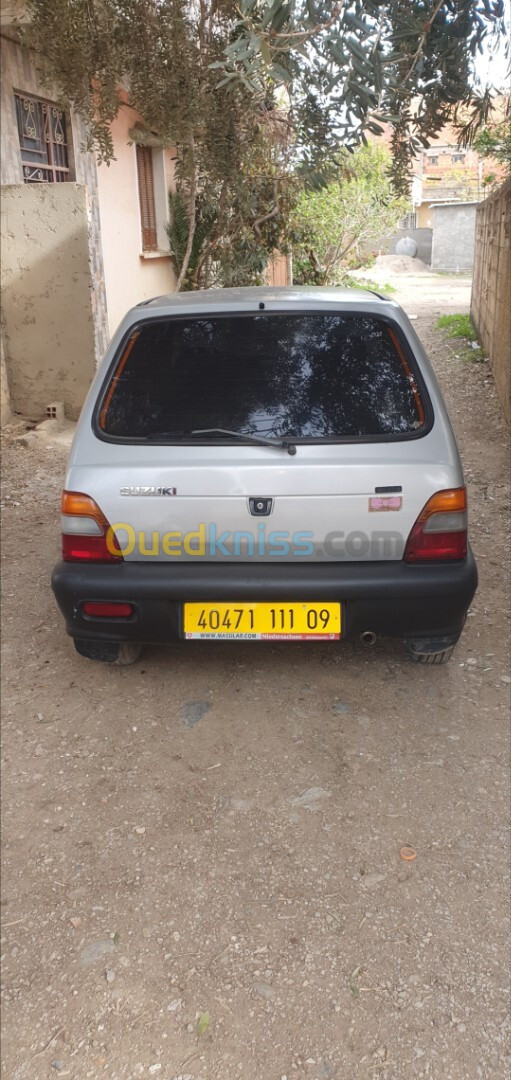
[(81, 242), (120, 257), (445, 175), (446, 172)]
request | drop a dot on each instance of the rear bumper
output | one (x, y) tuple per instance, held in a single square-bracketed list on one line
[(390, 598)]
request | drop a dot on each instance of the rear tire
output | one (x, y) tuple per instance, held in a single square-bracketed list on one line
[(118, 653), (442, 657), (431, 650)]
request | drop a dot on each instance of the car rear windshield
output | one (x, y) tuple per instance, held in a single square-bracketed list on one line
[(309, 376)]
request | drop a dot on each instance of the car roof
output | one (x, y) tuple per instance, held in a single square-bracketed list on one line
[(211, 298)]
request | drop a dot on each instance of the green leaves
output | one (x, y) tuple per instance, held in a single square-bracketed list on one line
[(330, 225), (389, 53), (207, 70), (178, 231)]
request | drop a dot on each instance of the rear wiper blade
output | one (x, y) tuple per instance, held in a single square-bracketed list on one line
[(259, 440), (155, 436)]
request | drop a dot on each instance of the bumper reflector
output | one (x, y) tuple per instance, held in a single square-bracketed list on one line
[(104, 609)]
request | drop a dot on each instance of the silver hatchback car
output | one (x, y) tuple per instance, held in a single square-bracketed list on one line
[(264, 464)]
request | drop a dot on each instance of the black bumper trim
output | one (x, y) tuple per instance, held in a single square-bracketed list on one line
[(390, 598)]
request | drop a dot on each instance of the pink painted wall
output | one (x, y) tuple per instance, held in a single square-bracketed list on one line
[(131, 276)]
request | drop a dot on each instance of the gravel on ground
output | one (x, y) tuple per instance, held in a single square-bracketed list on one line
[(202, 874)]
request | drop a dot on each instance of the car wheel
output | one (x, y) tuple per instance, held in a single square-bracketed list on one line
[(109, 652), (431, 650)]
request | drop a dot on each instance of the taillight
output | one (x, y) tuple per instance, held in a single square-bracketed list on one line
[(440, 531), (84, 531)]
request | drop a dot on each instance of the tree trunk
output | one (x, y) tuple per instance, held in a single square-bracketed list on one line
[(209, 247), (192, 217)]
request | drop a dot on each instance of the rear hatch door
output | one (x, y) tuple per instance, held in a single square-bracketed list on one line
[(340, 389)]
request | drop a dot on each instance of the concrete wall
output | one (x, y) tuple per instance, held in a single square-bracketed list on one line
[(386, 244), (454, 228), (19, 72), (491, 288), (131, 275), (426, 211), (423, 238), (48, 313)]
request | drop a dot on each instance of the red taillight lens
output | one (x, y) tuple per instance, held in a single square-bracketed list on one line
[(104, 609), (88, 549), (85, 531), (436, 546), (440, 531)]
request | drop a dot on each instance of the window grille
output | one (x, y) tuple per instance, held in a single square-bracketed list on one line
[(43, 140)]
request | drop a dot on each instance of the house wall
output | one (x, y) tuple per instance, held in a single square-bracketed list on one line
[(454, 237), (424, 216), (426, 211), (452, 173), (48, 315), (491, 288), (19, 72), (131, 275)]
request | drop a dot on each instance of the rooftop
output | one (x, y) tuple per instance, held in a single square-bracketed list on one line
[(265, 294)]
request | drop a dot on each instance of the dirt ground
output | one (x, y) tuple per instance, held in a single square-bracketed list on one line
[(201, 868)]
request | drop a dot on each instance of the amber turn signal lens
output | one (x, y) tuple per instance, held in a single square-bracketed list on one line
[(442, 501), (75, 504)]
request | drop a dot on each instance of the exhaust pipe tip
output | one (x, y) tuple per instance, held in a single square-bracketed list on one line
[(368, 637)]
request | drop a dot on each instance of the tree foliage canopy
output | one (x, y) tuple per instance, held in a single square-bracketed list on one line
[(494, 141), (350, 66), (346, 67), (260, 97)]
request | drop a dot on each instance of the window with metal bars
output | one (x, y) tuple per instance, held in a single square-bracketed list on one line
[(43, 140), (146, 197), (409, 221)]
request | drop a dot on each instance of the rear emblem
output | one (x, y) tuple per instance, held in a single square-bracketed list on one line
[(148, 490), (260, 507)]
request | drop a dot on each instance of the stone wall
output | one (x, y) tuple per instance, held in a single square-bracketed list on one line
[(491, 288), (47, 294)]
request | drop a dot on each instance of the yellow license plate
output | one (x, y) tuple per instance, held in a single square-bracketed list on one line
[(262, 622)]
